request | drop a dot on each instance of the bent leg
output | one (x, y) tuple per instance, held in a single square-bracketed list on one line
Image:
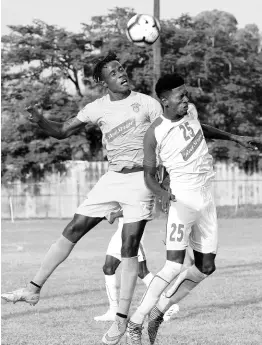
[(188, 280)]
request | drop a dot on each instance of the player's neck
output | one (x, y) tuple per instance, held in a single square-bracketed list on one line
[(114, 96), (171, 116)]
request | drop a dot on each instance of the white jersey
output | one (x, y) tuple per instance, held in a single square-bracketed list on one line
[(182, 149), (123, 124)]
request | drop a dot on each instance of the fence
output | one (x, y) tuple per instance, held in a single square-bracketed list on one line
[(59, 194)]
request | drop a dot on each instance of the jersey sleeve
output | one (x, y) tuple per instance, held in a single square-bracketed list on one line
[(90, 113), (192, 112), (154, 109), (150, 144)]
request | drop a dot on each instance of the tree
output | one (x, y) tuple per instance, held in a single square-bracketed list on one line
[(47, 49), (37, 59)]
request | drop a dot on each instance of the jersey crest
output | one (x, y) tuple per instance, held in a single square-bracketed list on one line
[(135, 107)]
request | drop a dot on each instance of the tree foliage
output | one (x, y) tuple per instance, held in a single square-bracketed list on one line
[(43, 63)]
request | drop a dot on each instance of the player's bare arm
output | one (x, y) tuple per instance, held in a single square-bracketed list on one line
[(245, 141), (58, 130), (151, 180)]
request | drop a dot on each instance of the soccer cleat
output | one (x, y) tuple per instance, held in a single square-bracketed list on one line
[(171, 311), (154, 322), (22, 295), (115, 332), (134, 333), (110, 315)]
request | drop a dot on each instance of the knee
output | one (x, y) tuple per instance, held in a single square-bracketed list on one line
[(76, 228), (207, 267), (170, 270), (109, 270), (72, 232)]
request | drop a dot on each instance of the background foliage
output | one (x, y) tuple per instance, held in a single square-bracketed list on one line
[(48, 64)]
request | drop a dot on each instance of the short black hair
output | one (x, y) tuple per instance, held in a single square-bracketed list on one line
[(111, 56), (168, 82)]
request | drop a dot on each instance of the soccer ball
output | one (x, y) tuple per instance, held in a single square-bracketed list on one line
[(143, 30)]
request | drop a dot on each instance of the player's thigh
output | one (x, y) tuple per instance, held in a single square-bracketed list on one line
[(137, 200), (180, 219), (189, 258), (204, 237), (79, 226), (131, 237), (176, 256)]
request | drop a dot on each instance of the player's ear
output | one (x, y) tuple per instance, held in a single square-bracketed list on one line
[(164, 101), (103, 83)]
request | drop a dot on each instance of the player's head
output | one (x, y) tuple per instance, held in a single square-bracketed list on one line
[(171, 91), (109, 72)]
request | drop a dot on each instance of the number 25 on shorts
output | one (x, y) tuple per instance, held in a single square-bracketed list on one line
[(177, 232)]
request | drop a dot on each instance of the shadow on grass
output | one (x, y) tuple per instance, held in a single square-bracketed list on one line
[(213, 307), (52, 309)]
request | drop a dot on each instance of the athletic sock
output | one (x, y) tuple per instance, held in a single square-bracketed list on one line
[(128, 283), (57, 253), (185, 282), (111, 290), (160, 281), (148, 278)]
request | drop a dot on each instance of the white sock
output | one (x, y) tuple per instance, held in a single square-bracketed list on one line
[(148, 278), (186, 281), (128, 284), (111, 290)]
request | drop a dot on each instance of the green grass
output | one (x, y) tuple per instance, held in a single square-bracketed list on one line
[(224, 309)]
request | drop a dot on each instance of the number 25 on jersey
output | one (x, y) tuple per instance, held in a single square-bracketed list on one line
[(177, 232), (188, 131)]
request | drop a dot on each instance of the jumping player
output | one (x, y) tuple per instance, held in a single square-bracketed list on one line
[(181, 145), (123, 116)]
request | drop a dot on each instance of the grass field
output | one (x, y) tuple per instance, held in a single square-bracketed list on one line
[(224, 309)]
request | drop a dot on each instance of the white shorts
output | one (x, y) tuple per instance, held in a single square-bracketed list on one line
[(115, 244), (116, 190), (193, 208)]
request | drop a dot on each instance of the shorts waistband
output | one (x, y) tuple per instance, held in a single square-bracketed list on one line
[(130, 170)]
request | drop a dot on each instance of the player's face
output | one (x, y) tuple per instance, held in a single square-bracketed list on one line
[(177, 101), (115, 78)]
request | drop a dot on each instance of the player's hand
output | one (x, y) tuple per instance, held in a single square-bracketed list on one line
[(251, 143), (33, 113), (165, 200)]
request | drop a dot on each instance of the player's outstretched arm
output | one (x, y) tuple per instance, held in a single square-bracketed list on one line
[(245, 141), (58, 130)]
